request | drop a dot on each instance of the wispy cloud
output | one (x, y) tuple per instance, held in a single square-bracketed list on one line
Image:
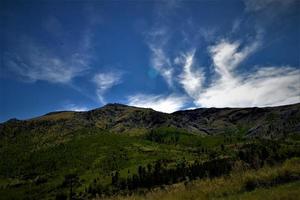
[(265, 86), (191, 78), (74, 107), (33, 62), (58, 59), (105, 81), (157, 39), (270, 12), (162, 64), (226, 56), (227, 86), (161, 103), (268, 86), (257, 5), (58, 62), (166, 42)]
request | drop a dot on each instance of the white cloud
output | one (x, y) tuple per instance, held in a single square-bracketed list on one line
[(191, 79), (57, 61), (161, 103), (266, 86), (161, 63), (33, 62), (73, 107), (271, 86), (226, 56), (157, 40), (104, 81)]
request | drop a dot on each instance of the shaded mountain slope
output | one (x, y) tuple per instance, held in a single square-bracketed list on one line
[(269, 121), (118, 118), (38, 155)]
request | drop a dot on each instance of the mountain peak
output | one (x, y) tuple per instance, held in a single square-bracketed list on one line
[(115, 105), (13, 120)]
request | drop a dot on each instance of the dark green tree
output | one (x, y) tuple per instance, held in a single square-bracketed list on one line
[(71, 181)]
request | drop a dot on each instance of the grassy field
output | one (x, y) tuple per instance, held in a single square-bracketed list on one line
[(35, 166), (277, 182), (95, 155)]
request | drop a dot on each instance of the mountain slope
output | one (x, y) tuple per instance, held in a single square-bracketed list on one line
[(39, 155), (118, 118), (270, 121)]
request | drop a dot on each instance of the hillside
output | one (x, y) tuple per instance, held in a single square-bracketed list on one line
[(248, 185), (118, 118), (122, 150)]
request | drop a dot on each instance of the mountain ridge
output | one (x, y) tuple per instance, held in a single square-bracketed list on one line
[(124, 105), (121, 118), (40, 155)]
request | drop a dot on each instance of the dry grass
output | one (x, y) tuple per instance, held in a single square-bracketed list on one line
[(235, 186), (56, 116)]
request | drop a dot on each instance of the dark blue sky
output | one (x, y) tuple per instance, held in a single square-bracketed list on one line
[(167, 55)]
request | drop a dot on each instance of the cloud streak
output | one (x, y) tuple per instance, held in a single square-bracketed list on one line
[(162, 64), (268, 86), (160, 103), (157, 40), (191, 78), (33, 62), (258, 5), (265, 86), (105, 81), (226, 56), (73, 107), (57, 61), (227, 87)]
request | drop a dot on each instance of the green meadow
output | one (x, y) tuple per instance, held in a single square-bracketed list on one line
[(105, 164)]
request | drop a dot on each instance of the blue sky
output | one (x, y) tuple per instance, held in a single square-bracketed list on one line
[(167, 55)]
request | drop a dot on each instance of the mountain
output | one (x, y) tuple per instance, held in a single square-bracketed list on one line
[(119, 149), (118, 118)]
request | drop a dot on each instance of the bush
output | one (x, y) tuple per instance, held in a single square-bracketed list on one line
[(61, 196)]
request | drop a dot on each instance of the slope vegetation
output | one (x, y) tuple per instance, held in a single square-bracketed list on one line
[(123, 150)]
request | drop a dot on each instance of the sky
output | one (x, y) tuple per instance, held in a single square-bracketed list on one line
[(166, 55)]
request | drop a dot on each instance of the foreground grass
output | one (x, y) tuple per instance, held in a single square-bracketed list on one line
[(287, 191), (279, 182)]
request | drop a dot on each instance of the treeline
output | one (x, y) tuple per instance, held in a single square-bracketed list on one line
[(252, 155), (158, 174), (267, 152), (158, 137)]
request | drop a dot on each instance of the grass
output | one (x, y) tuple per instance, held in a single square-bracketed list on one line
[(94, 155), (278, 182), (33, 165), (289, 191), (56, 116)]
